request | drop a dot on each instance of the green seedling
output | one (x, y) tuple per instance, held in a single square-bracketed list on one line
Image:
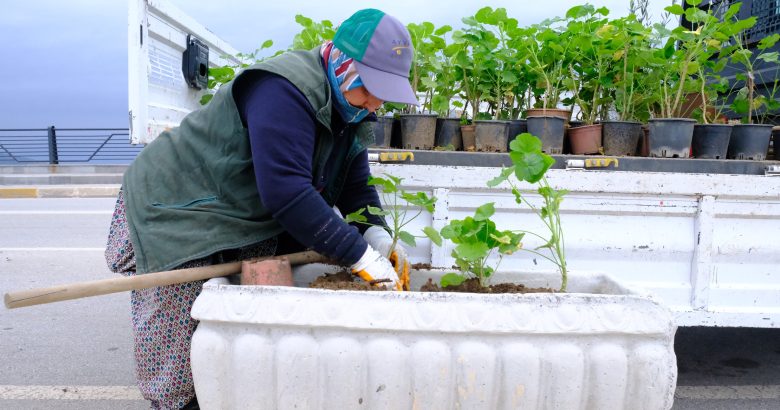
[(529, 164), (476, 240), (398, 202)]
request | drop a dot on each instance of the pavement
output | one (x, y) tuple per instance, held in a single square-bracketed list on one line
[(60, 181), (79, 354)]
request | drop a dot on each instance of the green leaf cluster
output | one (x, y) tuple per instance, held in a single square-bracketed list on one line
[(602, 67), (401, 207), (476, 239), (529, 166)]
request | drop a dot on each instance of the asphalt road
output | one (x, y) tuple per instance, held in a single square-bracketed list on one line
[(78, 354)]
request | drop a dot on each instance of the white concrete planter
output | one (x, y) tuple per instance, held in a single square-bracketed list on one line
[(601, 346)]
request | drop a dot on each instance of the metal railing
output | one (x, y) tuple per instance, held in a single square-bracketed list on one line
[(67, 145)]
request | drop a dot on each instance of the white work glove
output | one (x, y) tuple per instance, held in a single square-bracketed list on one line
[(380, 239), (372, 267)]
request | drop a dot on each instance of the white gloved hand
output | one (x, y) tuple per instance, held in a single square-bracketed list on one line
[(378, 238), (372, 266)]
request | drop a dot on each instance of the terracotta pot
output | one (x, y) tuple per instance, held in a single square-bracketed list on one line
[(585, 139), (550, 112), (269, 272), (469, 135)]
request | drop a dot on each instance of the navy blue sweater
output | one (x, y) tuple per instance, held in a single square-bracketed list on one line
[(282, 125)]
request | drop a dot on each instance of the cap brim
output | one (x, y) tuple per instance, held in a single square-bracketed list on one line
[(386, 86)]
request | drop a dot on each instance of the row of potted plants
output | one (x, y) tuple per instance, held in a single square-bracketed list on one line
[(606, 75), (612, 138), (614, 74)]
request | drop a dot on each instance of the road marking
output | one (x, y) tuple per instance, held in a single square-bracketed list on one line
[(69, 393), (18, 192), (748, 392), (20, 212), (52, 249)]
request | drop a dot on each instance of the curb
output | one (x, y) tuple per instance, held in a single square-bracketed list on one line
[(60, 191)]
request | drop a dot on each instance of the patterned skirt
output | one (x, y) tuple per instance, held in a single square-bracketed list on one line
[(161, 317)]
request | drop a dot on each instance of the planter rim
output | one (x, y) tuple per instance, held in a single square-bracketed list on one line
[(548, 116), (493, 121), (753, 125), (585, 126), (419, 115), (714, 125), (520, 120), (620, 122), (547, 109), (673, 119), (540, 313)]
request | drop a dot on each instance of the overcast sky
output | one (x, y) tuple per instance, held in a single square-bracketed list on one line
[(64, 63)]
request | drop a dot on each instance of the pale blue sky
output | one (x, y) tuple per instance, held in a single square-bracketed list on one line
[(65, 63)]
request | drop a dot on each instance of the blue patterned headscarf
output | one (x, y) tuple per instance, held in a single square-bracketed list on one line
[(343, 76)]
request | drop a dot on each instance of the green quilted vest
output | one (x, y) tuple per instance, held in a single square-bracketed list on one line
[(192, 191)]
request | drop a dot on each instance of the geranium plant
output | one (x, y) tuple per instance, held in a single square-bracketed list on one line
[(397, 206), (676, 64), (529, 165), (468, 62), (491, 30), (591, 75), (548, 50), (631, 89), (312, 34), (747, 61), (476, 241)]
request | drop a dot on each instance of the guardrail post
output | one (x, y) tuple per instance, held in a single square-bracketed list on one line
[(53, 157)]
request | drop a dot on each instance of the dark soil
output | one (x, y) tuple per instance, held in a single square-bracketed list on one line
[(420, 266), (472, 286), (343, 280)]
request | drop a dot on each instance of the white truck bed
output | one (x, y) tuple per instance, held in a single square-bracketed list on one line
[(707, 244)]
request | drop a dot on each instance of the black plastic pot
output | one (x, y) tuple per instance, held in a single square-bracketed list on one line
[(418, 131), (383, 132), (491, 136), (749, 141), (448, 133), (775, 143), (550, 131), (671, 137), (395, 140), (621, 137), (711, 141), (516, 127)]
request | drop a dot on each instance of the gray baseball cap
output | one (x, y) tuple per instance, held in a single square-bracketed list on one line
[(382, 50)]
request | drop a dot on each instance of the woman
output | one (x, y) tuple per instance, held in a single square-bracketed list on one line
[(256, 172)]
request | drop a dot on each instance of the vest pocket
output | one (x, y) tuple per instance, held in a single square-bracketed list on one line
[(190, 204)]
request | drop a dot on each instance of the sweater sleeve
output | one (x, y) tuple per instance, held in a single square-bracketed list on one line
[(358, 194), (282, 128)]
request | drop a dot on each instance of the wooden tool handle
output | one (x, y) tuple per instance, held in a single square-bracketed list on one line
[(101, 287)]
